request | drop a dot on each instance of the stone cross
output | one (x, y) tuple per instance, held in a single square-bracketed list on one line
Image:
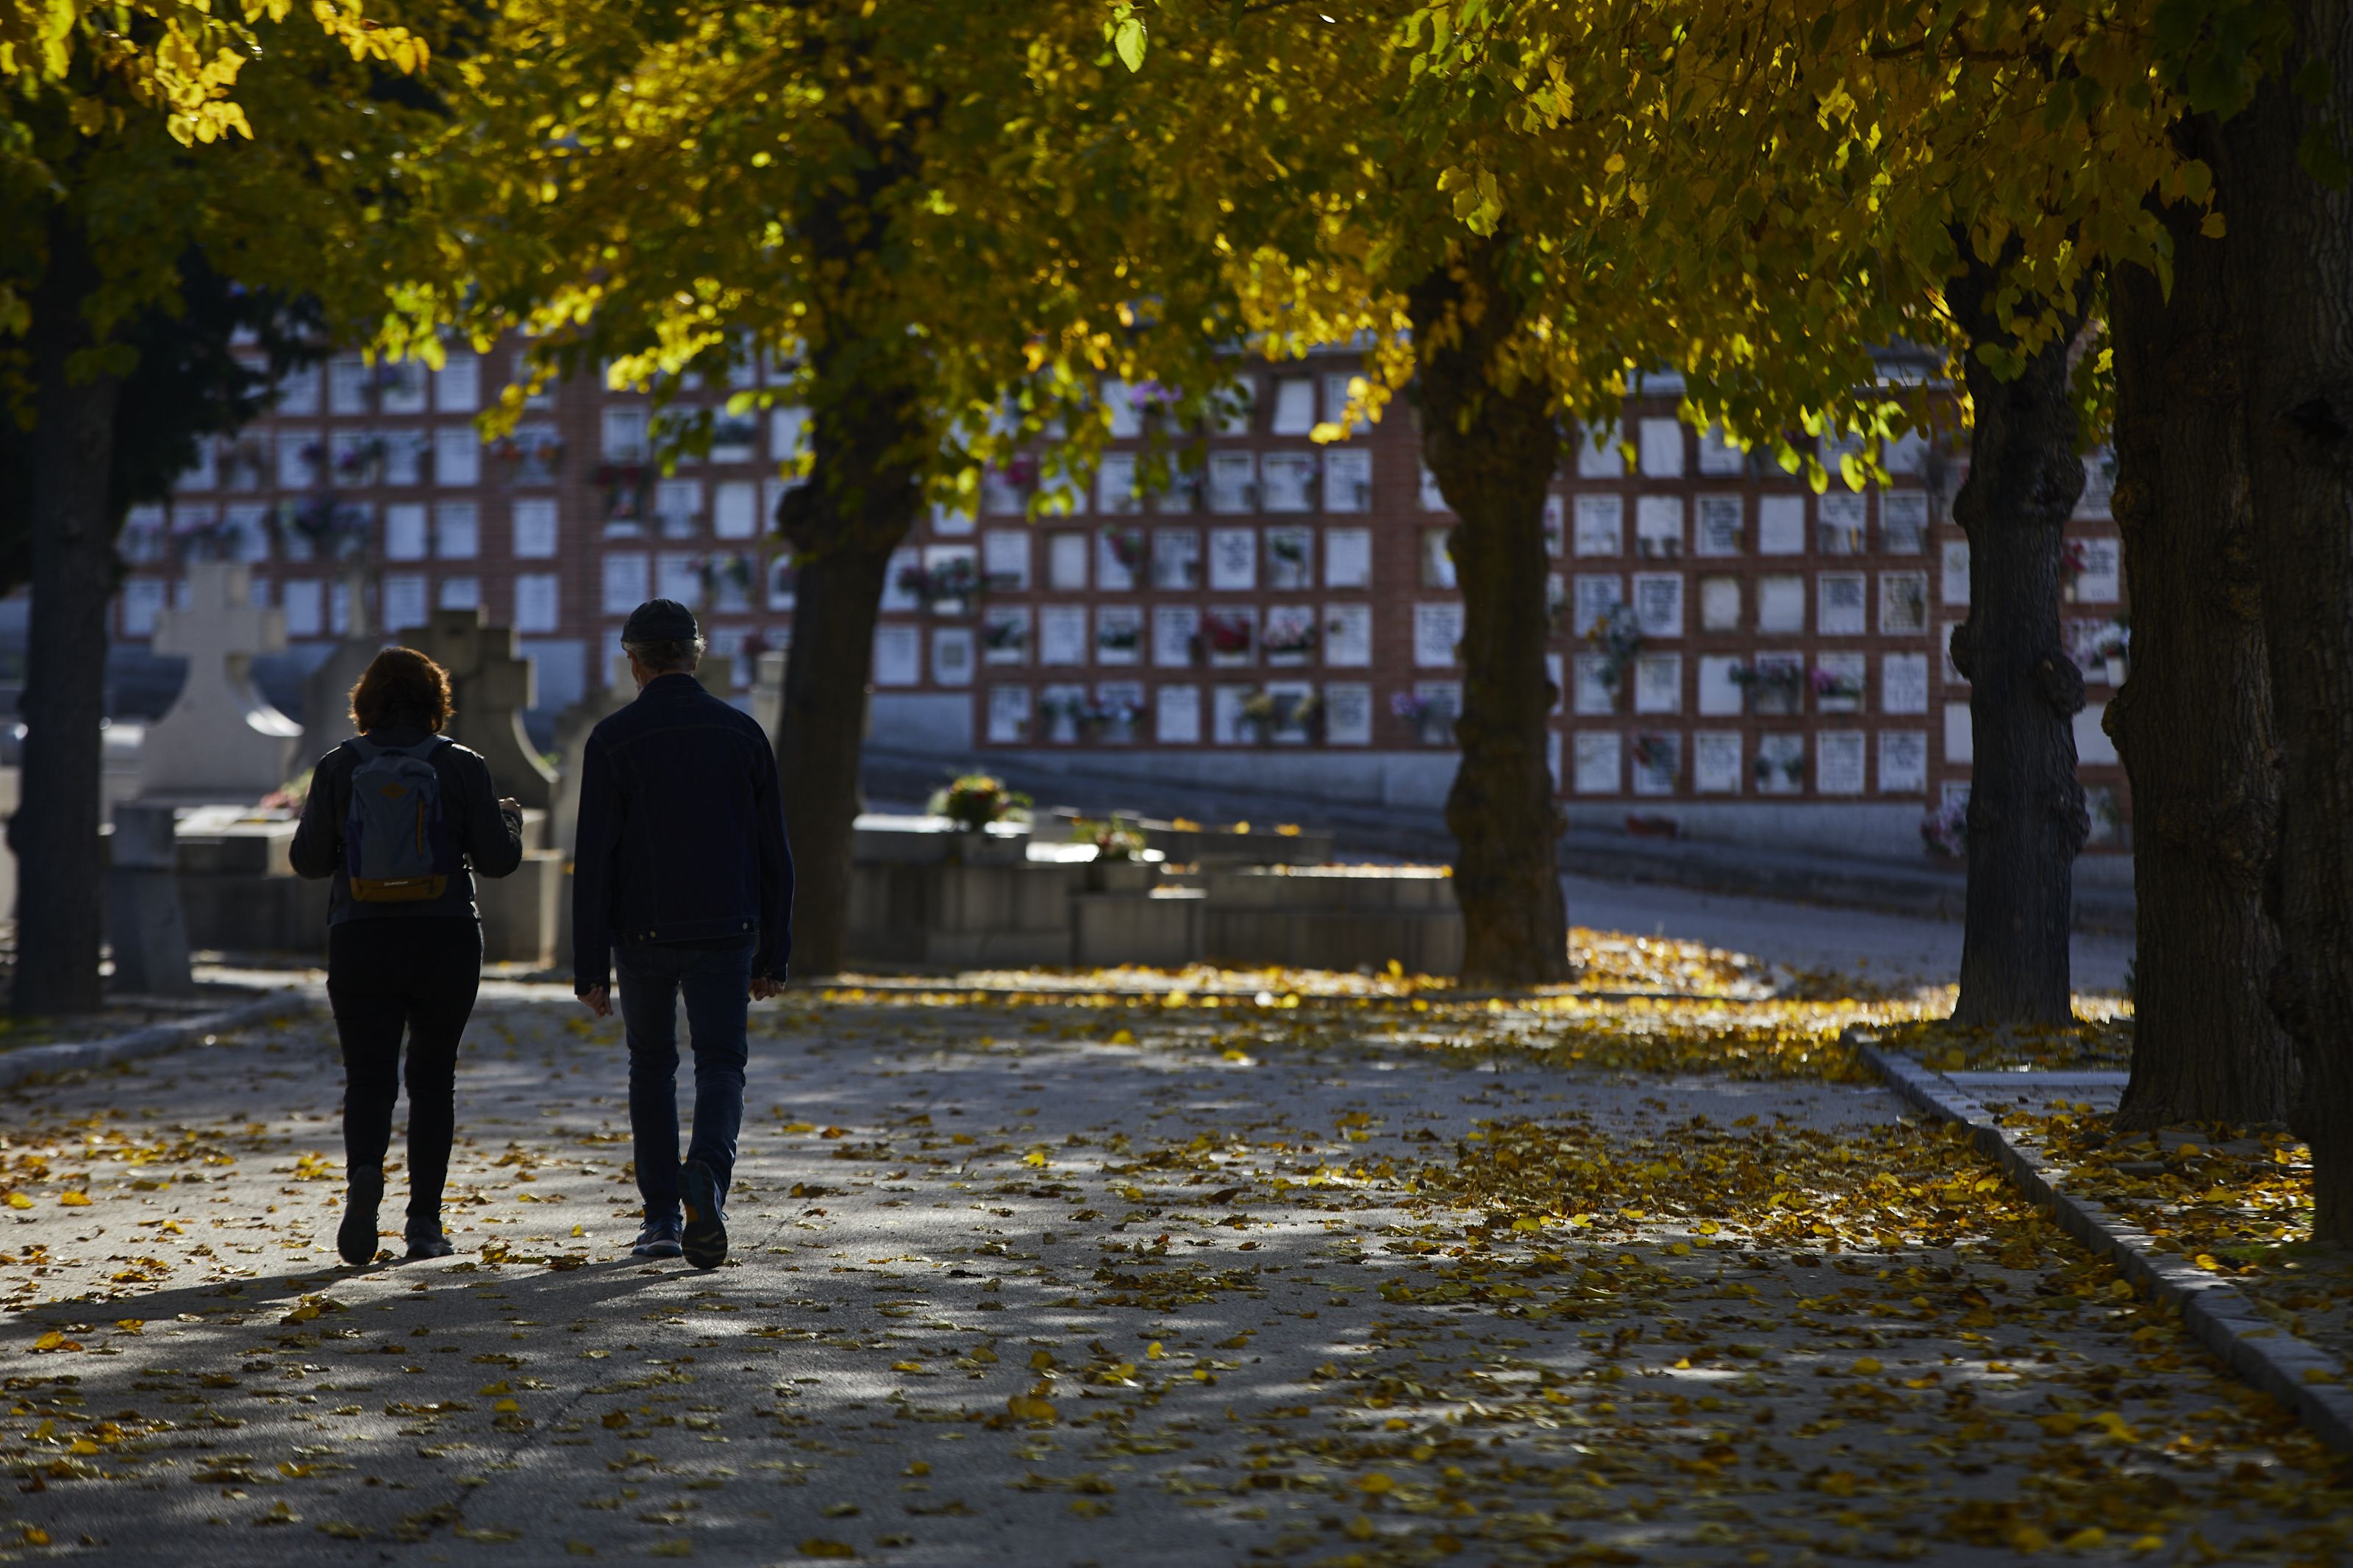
[(221, 741), (327, 693), (572, 728), (491, 684)]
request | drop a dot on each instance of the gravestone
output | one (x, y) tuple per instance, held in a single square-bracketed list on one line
[(491, 684), (222, 739), (716, 673), (768, 696), (326, 694), (145, 927), (572, 728)]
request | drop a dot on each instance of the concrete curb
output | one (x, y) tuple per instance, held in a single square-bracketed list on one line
[(2222, 1317), (71, 1055)]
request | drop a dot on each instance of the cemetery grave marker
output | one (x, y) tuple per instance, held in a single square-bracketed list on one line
[(221, 739)]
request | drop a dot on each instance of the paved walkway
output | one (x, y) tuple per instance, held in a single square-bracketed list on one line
[(1891, 948), (1070, 1286)]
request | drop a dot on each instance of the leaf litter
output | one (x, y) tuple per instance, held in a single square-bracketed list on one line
[(1353, 1270)]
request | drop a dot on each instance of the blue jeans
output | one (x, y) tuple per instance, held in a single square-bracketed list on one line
[(717, 984)]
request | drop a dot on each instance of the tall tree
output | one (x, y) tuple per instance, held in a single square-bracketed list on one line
[(2027, 818), (2287, 173), (1492, 440), (1305, 164), (2193, 722), (930, 212), (104, 206), (1953, 172)]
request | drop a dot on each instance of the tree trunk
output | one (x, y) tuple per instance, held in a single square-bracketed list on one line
[(59, 865), (1493, 445), (2289, 258), (2026, 814), (2193, 722), (843, 526)]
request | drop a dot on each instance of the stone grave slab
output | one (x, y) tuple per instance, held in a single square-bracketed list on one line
[(326, 692), (492, 684), (145, 929), (221, 740)]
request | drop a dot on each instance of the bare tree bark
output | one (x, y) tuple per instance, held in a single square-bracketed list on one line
[(1494, 445), (2193, 722), (2026, 819), (54, 833), (843, 528), (2289, 260)]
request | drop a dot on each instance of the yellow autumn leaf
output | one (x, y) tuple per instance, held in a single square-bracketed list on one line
[(74, 1200)]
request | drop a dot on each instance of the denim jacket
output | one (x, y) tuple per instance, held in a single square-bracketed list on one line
[(681, 833)]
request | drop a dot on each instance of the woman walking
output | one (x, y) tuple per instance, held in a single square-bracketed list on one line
[(400, 817)]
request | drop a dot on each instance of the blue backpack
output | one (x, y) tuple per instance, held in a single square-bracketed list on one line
[(398, 847)]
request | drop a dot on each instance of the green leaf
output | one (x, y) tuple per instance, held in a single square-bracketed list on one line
[(1128, 38)]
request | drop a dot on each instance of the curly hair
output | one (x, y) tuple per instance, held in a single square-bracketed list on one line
[(401, 689)]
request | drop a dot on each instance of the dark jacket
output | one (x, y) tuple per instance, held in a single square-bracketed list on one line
[(489, 840), (681, 833)]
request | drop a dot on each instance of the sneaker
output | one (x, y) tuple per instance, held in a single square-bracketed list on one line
[(355, 1237), (658, 1239), (705, 1238), (427, 1241)]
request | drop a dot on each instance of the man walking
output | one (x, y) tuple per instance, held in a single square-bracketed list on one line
[(683, 882)]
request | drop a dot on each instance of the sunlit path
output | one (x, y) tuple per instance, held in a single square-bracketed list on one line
[(1346, 1278)]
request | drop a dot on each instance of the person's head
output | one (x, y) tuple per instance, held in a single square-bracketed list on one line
[(401, 689), (661, 638)]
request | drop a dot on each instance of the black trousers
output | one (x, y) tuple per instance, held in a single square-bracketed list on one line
[(389, 975)]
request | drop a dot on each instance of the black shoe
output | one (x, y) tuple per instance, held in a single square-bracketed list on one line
[(426, 1240), (355, 1237), (704, 1239), (658, 1239)]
